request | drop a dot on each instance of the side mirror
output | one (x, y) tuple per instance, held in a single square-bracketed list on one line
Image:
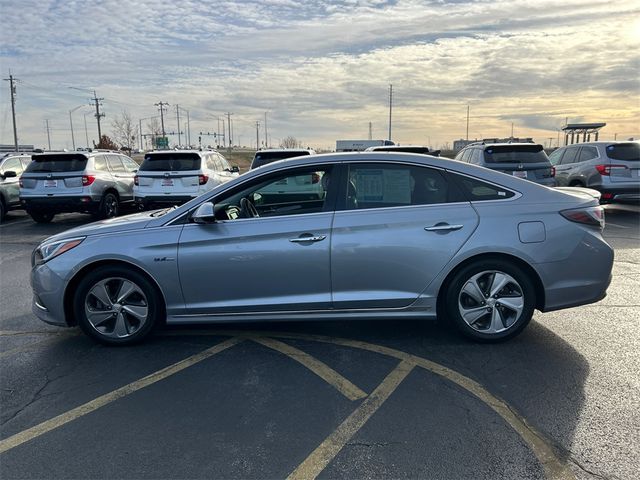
[(10, 174), (204, 214), (235, 169)]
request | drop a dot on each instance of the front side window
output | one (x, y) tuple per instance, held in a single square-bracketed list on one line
[(294, 192), (390, 185)]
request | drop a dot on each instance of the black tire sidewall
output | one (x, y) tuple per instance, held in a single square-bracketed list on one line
[(41, 217), (153, 299), (2, 211), (103, 206), (462, 276)]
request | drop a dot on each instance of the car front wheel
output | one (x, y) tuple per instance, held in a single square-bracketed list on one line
[(116, 305), (490, 300)]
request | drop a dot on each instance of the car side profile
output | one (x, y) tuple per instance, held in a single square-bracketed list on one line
[(390, 236), (97, 182), (522, 160), (612, 168), (11, 167), (173, 177)]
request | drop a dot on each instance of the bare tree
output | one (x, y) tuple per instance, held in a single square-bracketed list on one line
[(125, 131), (290, 142), (155, 129)]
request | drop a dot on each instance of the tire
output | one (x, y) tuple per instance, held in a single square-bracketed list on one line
[(117, 321), (490, 300), (3, 210), (109, 206), (41, 217)]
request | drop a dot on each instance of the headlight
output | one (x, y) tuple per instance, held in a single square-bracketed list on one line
[(45, 252)]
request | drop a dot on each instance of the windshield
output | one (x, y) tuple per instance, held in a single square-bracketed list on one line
[(262, 158), (515, 154), (170, 162), (57, 163), (624, 151)]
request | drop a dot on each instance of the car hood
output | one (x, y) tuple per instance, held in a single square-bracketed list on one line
[(112, 225)]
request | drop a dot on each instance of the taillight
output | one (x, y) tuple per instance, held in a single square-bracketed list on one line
[(87, 180), (553, 171), (202, 179), (605, 170), (135, 180), (315, 178), (587, 215)]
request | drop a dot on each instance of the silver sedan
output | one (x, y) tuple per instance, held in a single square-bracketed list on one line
[(356, 235)]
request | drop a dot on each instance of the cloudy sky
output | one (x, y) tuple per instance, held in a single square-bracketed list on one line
[(321, 69)]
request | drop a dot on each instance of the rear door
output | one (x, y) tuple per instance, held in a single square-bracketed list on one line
[(564, 169), (522, 161), (54, 175), (170, 173), (10, 186), (398, 226), (122, 177), (625, 162)]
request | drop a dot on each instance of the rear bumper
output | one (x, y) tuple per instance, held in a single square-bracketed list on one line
[(580, 279), (60, 204)]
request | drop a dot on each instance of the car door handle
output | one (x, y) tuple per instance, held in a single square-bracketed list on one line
[(310, 238), (443, 227)]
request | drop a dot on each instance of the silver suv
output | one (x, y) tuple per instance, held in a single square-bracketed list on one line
[(11, 167), (522, 160), (97, 182), (176, 176), (264, 157), (612, 168)]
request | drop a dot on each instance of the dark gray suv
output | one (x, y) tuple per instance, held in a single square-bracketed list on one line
[(522, 160), (612, 168), (97, 182)]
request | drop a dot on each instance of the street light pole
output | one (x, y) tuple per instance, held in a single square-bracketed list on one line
[(86, 132), (73, 140)]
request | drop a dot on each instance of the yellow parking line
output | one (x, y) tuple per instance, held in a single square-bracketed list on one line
[(60, 420), (318, 460), (321, 369)]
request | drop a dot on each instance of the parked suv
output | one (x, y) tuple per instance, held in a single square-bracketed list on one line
[(523, 160), (174, 177), (11, 167), (404, 149), (612, 168), (263, 157), (97, 182)]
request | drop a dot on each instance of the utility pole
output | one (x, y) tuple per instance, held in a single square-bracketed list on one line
[(12, 87), (370, 132), (178, 118), (98, 115), (229, 126), (48, 135), (511, 130), (161, 106), (266, 137), (257, 135), (390, 107), (467, 137), (86, 132)]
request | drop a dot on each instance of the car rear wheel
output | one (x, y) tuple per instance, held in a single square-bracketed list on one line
[(116, 306), (490, 300), (41, 217), (2, 211), (109, 206)]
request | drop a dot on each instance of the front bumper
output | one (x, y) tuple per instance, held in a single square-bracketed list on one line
[(48, 295)]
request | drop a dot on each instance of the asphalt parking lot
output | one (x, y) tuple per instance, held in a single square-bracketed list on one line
[(367, 399)]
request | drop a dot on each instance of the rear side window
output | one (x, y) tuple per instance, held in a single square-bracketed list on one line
[(100, 163), (570, 156), (477, 190), (263, 158), (115, 164), (587, 153), (515, 154), (54, 163), (12, 165), (170, 162), (624, 151)]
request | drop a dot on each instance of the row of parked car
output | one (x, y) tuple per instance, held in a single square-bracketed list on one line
[(101, 182)]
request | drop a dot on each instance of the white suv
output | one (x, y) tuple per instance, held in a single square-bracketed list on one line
[(174, 177)]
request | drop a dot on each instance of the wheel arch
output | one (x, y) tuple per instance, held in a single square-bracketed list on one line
[(72, 285), (526, 267)]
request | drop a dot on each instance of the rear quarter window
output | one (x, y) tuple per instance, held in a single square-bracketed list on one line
[(57, 163), (476, 190), (624, 151)]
